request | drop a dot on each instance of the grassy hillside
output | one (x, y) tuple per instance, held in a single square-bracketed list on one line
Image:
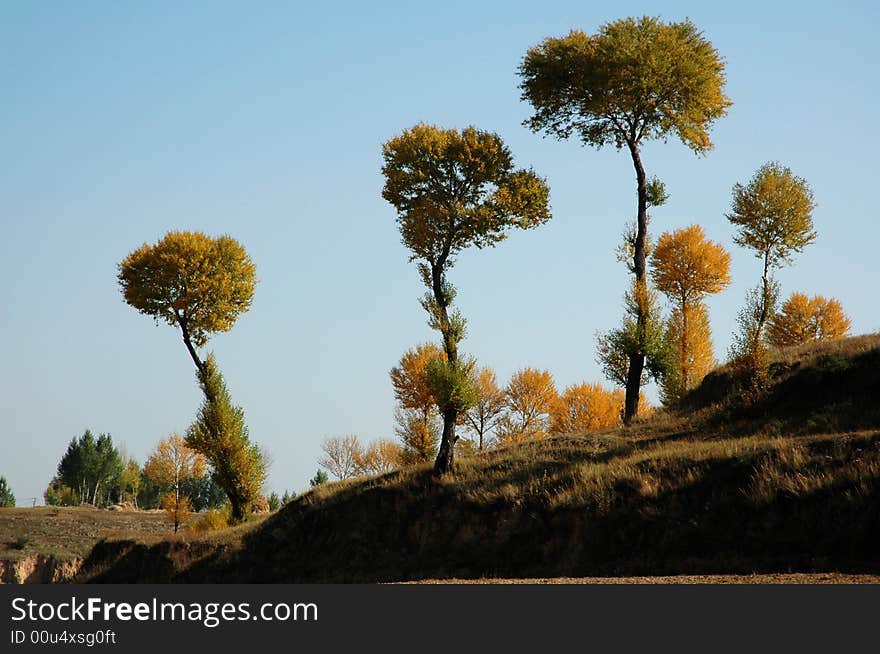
[(789, 483)]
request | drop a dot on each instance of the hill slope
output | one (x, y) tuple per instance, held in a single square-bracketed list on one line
[(787, 483)]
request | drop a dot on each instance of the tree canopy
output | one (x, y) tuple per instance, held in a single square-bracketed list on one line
[(686, 266), (803, 319), (190, 280), (774, 214), (636, 79)]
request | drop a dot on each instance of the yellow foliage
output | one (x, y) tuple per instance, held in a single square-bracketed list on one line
[(410, 380), (691, 336), (587, 407), (173, 461), (686, 265), (210, 520), (177, 508), (530, 397), (803, 319), (190, 280), (379, 457)]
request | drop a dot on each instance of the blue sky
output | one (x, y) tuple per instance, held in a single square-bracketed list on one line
[(121, 121)]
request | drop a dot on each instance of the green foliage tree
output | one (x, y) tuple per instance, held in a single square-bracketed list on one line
[(91, 467), (7, 499), (454, 189), (220, 434), (615, 348), (274, 501), (633, 81), (320, 477), (129, 480), (774, 216)]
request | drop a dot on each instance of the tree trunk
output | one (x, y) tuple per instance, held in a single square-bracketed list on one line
[(445, 462), (637, 359), (188, 342), (765, 300)]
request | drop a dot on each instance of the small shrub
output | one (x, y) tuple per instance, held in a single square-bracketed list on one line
[(21, 542), (210, 520)]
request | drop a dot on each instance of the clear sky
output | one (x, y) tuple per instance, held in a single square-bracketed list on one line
[(121, 121)]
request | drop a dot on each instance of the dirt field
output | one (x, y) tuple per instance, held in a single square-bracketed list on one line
[(818, 578), (66, 532)]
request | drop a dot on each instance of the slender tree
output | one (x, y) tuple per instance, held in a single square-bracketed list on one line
[(686, 266), (530, 397), (454, 189), (488, 408), (341, 455), (169, 466), (774, 216), (633, 81), (201, 285)]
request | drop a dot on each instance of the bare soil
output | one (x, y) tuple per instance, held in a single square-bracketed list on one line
[(68, 532), (816, 578)]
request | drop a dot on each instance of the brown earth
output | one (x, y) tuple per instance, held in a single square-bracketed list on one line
[(821, 578), (48, 544)]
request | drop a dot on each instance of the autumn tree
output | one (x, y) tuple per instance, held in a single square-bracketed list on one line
[(419, 436), (192, 281), (773, 214), (488, 406), (130, 479), (686, 266), (379, 457), (529, 397), (220, 434), (416, 417), (169, 466), (586, 407), (802, 319), (454, 189), (693, 357), (201, 285), (634, 81), (341, 455)]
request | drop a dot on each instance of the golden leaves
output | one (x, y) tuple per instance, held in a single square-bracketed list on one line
[(173, 461), (803, 319), (190, 279), (586, 407), (686, 265), (530, 396)]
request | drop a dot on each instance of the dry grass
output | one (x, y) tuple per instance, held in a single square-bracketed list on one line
[(790, 482)]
